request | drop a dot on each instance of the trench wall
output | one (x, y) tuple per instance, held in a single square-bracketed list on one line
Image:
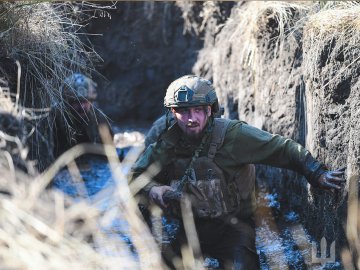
[(293, 70), (143, 47)]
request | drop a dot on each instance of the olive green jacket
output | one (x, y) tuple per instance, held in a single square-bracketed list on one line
[(243, 144)]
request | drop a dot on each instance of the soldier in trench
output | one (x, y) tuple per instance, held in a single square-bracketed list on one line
[(209, 162), (79, 119)]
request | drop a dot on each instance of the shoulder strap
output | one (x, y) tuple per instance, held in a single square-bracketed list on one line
[(218, 136)]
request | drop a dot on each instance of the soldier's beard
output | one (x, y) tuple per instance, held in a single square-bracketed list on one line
[(193, 130)]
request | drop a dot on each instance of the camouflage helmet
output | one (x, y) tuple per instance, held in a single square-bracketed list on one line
[(78, 85), (189, 91)]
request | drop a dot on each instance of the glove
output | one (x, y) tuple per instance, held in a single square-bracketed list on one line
[(331, 180)]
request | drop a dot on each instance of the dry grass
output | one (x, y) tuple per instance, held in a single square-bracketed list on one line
[(42, 37), (197, 15), (282, 19), (44, 229), (40, 47), (337, 22), (258, 21)]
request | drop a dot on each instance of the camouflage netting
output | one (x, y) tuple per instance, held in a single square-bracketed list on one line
[(39, 49), (292, 68)]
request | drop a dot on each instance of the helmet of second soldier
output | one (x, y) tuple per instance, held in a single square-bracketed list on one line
[(190, 91), (79, 86)]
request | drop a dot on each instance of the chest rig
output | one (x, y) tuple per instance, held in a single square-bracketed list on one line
[(212, 195)]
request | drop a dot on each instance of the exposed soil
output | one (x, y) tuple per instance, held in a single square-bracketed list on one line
[(144, 48)]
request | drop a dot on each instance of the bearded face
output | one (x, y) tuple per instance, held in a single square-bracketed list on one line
[(192, 120)]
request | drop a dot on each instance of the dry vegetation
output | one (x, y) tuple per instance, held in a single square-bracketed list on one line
[(338, 23), (40, 47), (43, 38), (44, 229), (196, 15), (40, 228)]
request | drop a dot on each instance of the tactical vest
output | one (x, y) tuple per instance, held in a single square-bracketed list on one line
[(211, 194)]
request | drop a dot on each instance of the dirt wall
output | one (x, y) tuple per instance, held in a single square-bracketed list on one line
[(144, 48)]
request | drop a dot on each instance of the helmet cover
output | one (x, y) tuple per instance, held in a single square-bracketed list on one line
[(78, 85), (189, 91)]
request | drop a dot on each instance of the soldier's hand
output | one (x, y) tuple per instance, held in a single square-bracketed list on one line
[(156, 195), (332, 180)]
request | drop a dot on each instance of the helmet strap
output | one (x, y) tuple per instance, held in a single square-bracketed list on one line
[(167, 123)]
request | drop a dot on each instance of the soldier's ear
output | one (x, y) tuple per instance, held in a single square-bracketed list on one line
[(173, 112), (208, 111)]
